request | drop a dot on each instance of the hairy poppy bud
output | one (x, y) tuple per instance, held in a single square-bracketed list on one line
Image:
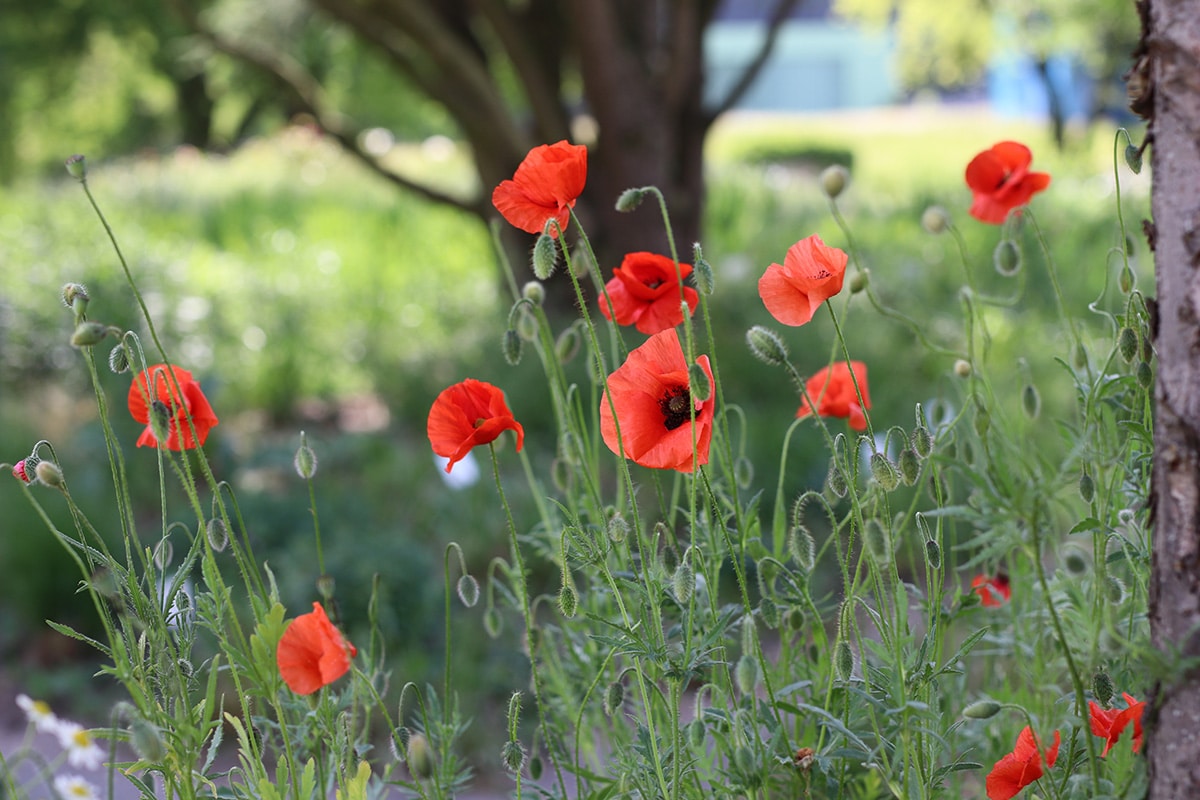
[(834, 179), (1133, 157), (536, 765), (683, 582), (118, 359), (468, 590), (795, 618), (935, 220), (702, 271), (534, 292), (698, 383), (544, 257), (511, 346), (527, 325), (1114, 589), (843, 660), (746, 673), (513, 756), (1127, 344), (164, 553), (1080, 357), (75, 297), (766, 345), (921, 441), (77, 167), (147, 741), (217, 534), (910, 467), (1144, 375), (568, 600), (419, 756), (1102, 687), (1074, 562), (1007, 258), (802, 547), (768, 611), (88, 333), (837, 481), (614, 697), (617, 527), (878, 542), (1125, 280), (859, 280), (695, 733), (1087, 486), (982, 709), (567, 344), (962, 368), (305, 460), (884, 472), (933, 553), (630, 199), (49, 474)]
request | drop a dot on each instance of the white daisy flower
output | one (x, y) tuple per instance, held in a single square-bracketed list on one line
[(38, 712), (82, 750), (73, 787)]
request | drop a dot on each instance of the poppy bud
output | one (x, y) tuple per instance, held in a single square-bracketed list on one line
[(670, 558), (983, 421), (702, 271), (567, 344), (859, 281), (1031, 401), (419, 756), (49, 474), (884, 472), (614, 698), (1074, 562), (75, 297), (88, 333), (962, 368), (1102, 687), (1145, 375), (147, 741), (695, 733), (535, 767), (802, 547), (683, 582), (118, 359), (630, 199), (768, 610), (1127, 344), (935, 220), (1125, 280), (468, 590), (833, 180), (326, 585), (1080, 357), (1087, 486), (513, 756), (843, 660), (492, 623), (1006, 258), (305, 460), (544, 257), (746, 673), (217, 534), (534, 292), (1114, 589), (743, 759), (766, 345), (837, 481), (77, 167), (511, 346), (982, 709), (1133, 157), (933, 553), (921, 441), (699, 385), (795, 618), (910, 467), (527, 325), (878, 542), (398, 742), (617, 527), (568, 600), (164, 553)]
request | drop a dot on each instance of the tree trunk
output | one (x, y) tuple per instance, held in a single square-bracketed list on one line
[(1167, 86)]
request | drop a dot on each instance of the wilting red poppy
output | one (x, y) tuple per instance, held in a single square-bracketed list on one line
[(20, 471), (193, 403), (1110, 723), (812, 272), (1001, 181), (993, 590), (645, 292), (832, 389), (312, 653), (466, 415), (544, 186), (1021, 767), (653, 403)]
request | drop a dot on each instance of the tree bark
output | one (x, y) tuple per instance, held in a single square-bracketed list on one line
[(1166, 83)]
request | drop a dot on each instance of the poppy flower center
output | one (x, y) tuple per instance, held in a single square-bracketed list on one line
[(675, 407), (654, 283)]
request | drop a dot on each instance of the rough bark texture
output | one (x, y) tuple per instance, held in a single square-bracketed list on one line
[(1168, 86)]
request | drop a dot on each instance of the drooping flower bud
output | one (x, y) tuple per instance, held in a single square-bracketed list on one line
[(217, 534), (1006, 258), (164, 553), (614, 697), (1127, 344), (1133, 157), (326, 586), (747, 673), (513, 756), (147, 741), (695, 733), (878, 542), (910, 467), (837, 480), (933, 553), (683, 582), (88, 334), (962, 368), (419, 756), (468, 590), (1144, 375), (534, 292), (567, 344), (860, 280), (630, 199), (921, 441), (935, 220), (75, 297), (618, 528), (1087, 486), (545, 254), (802, 546), (23, 470), (1125, 280), (768, 611), (511, 346), (49, 474), (1114, 589), (766, 345), (118, 360), (1074, 562), (982, 709), (833, 180), (702, 271), (1031, 401), (493, 624), (305, 460), (884, 472), (843, 660)]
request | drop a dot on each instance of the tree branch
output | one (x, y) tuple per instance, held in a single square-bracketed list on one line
[(783, 8)]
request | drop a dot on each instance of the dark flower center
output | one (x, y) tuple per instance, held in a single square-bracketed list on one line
[(675, 405), (654, 283)]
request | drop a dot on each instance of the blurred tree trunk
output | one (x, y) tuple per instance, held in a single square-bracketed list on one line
[(505, 73), (1165, 85)]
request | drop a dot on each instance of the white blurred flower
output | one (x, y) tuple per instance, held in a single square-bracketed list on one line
[(38, 712), (73, 787), (82, 750)]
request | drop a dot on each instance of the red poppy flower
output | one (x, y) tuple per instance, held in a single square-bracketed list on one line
[(1021, 767), (1111, 723), (993, 590), (193, 403), (544, 186), (1001, 181), (645, 292), (20, 471), (466, 415), (812, 272), (651, 396), (832, 389), (312, 653)]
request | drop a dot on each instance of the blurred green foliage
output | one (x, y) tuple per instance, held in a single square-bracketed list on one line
[(306, 294)]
